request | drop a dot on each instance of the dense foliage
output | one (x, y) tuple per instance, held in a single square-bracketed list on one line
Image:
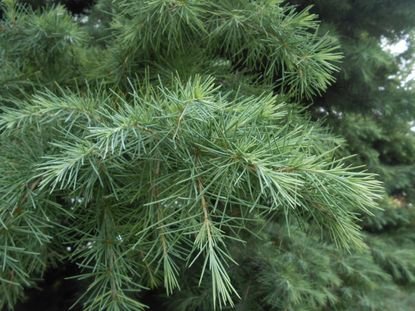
[(372, 106), (161, 147), (372, 103)]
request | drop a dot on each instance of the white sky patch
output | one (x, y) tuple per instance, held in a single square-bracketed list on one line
[(395, 48)]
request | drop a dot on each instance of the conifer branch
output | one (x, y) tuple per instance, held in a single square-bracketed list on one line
[(157, 175)]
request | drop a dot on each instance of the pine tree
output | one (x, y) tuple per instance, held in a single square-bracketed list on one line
[(161, 146), (371, 104), (372, 107)]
